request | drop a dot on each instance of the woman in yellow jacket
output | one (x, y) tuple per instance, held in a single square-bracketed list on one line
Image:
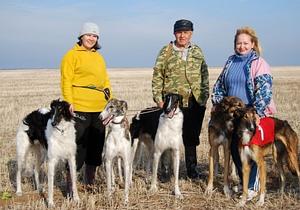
[(86, 86)]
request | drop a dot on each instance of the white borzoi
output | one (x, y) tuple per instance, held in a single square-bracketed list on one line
[(47, 133), (117, 142), (169, 136)]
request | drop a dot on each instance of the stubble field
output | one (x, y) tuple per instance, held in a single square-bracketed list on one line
[(22, 91)]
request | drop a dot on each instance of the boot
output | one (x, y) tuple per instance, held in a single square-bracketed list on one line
[(90, 171), (191, 162)]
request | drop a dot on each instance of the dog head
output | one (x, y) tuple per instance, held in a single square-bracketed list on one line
[(172, 102), (245, 123), (60, 110), (222, 113), (114, 111), (229, 104)]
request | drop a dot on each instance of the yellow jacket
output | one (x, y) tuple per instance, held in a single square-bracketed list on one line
[(81, 69)]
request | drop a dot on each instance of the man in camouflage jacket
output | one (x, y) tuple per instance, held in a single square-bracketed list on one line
[(180, 68)]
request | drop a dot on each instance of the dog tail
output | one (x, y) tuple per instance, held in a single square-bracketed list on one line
[(135, 127), (291, 140)]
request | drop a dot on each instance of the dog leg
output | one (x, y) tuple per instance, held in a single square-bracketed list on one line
[(72, 168), (209, 188), (37, 178), (127, 176), (153, 187), (37, 168), (51, 168), (262, 178), (246, 173), (135, 146), (216, 160), (279, 164), (120, 169), (176, 161), (18, 177), (108, 168), (233, 172), (226, 188)]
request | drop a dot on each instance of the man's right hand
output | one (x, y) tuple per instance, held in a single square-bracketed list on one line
[(160, 104)]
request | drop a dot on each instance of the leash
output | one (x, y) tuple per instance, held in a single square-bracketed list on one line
[(93, 87), (147, 111)]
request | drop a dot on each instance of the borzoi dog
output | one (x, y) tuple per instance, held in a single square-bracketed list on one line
[(220, 130), (282, 143), (117, 142), (143, 129), (48, 133), (169, 136)]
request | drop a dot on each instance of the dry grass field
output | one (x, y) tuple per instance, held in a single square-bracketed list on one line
[(22, 91)]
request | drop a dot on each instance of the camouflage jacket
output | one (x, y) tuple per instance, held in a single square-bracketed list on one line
[(172, 74)]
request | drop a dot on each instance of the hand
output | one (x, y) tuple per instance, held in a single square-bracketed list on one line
[(106, 93), (257, 119), (71, 109), (160, 104)]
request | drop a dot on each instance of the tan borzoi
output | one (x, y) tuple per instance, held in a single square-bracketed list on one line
[(284, 148), (220, 130)]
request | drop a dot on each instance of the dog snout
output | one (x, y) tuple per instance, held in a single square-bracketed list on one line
[(252, 127)]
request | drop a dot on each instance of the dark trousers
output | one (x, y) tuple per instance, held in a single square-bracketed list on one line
[(253, 178), (192, 122), (90, 135)]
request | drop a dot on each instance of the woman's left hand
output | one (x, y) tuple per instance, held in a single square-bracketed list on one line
[(257, 119)]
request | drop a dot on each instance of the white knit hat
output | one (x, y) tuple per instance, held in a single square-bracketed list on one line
[(89, 28)]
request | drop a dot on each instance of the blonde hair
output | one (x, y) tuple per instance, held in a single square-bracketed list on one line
[(249, 31)]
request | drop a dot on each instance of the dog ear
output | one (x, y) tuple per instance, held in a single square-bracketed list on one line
[(180, 98), (124, 106), (239, 113)]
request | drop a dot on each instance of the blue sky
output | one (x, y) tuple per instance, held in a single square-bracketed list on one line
[(37, 33)]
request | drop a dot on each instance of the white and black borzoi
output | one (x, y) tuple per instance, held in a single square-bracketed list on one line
[(143, 129), (47, 134), (117, 142), (169, 136)]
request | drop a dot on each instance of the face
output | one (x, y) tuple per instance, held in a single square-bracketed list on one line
[(89, 41), (243, 44), (183, 38)]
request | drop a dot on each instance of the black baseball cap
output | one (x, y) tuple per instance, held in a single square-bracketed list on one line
[(183, 25)]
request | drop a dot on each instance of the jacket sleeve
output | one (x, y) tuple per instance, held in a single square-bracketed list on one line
[(67, 74), (107, 85), (262, 86), (204, 85), (158, 76), (219, 91)]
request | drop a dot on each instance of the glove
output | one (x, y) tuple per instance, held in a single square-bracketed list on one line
[(106, 93)]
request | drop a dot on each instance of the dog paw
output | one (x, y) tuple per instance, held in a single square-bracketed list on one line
[(261, 201), (51, 205), (241, 203), (178, 195), (153, 189), (19, 193), (209, 190), (227, 192), (76, 199)]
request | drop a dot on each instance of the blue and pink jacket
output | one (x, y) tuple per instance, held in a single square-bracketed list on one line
[(259, 85)]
